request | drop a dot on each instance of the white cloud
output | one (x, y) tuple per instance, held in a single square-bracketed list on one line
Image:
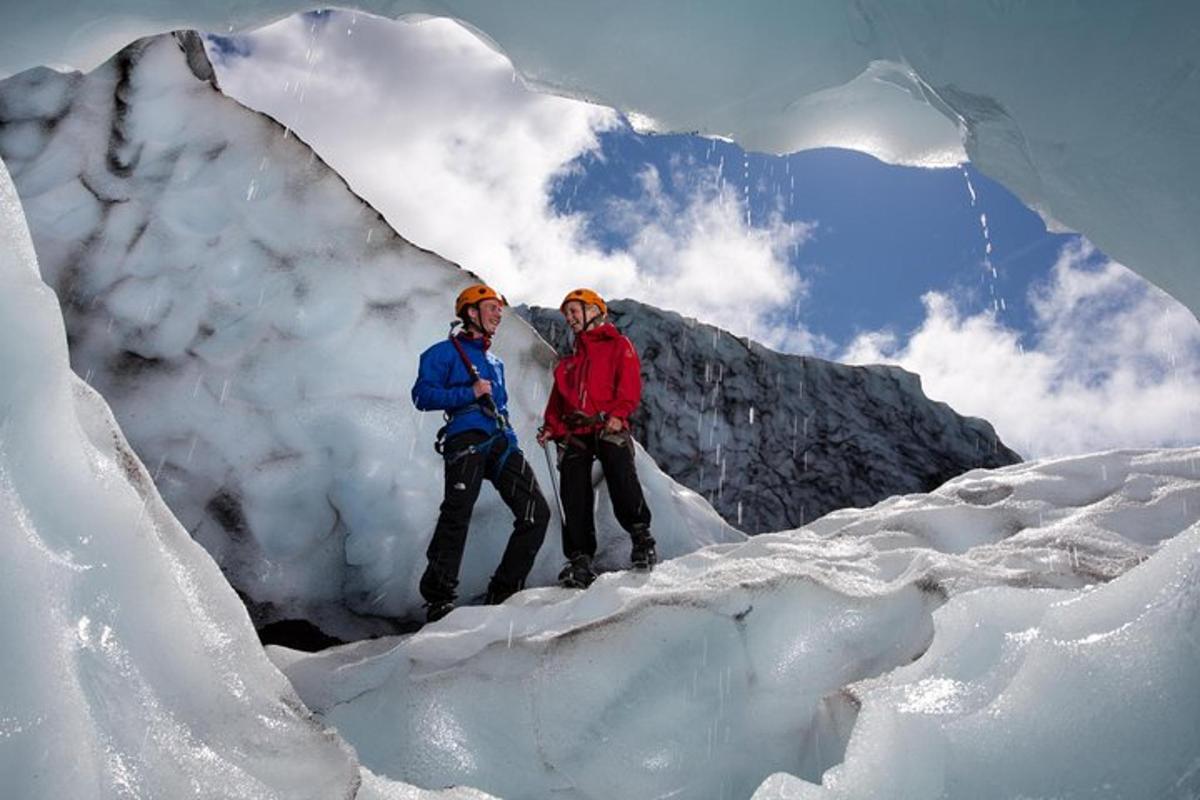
[(700, 257), (1117, 362), (429, 125)]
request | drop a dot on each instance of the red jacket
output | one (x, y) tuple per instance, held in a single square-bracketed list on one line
[(602, 375)]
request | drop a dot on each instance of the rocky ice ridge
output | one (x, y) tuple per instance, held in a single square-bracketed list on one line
[(255, 327), (774, 441), (1088, 112), (1031, 631)]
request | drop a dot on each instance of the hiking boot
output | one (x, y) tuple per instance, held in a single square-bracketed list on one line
[(497, 593), (643, 557), (435, 611), (577, 574)]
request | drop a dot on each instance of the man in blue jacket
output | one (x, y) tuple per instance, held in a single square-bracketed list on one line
[(462, 378)]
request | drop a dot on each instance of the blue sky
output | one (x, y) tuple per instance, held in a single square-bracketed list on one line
[(825, 252), (885, 234)]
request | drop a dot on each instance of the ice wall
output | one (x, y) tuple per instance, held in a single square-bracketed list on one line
[(1088, 112), (130, 667)]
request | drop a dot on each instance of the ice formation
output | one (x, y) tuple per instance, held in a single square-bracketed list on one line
[(130, 666), (255, 327), (774, 441), (1087, 112), (743, 660)]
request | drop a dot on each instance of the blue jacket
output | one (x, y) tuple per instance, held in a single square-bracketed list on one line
[(443, 384)]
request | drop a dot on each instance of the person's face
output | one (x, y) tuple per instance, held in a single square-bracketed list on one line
[(490, 314), (576, 315)]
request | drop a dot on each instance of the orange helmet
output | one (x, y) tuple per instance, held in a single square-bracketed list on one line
[(476, 293), (588, 298)]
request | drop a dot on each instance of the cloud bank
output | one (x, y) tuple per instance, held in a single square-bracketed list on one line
[(1114, 362)]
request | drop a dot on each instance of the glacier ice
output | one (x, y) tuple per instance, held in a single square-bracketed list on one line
[(740, 660), (1039, 694), (1089, 113), (130, 666)]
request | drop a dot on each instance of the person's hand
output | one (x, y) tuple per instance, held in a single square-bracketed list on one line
[(613, 425), (543, 436), (481, 387)]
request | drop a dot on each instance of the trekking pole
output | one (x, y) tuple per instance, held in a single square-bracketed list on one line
[(562, 517)]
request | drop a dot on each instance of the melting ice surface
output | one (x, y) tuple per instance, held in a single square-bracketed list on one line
[(743, 660)]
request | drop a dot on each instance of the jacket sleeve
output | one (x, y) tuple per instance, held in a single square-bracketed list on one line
[(628, 391), (554, 412), (431, 392)]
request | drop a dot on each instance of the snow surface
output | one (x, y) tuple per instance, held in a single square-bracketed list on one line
[(773, 440), (1088, 112), (742, 660), (256, 328)]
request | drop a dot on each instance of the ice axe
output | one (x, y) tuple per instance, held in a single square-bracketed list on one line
[(550, 468)]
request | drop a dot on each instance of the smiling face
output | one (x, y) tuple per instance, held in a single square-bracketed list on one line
[(576, 314), (487, 315)]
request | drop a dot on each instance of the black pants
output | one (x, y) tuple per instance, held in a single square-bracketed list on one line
[(616, 460), (518, 488)]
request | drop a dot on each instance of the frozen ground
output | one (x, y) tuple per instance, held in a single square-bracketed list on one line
[(964, 630)]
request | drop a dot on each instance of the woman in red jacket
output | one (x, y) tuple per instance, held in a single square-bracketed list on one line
[(596, 388)]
